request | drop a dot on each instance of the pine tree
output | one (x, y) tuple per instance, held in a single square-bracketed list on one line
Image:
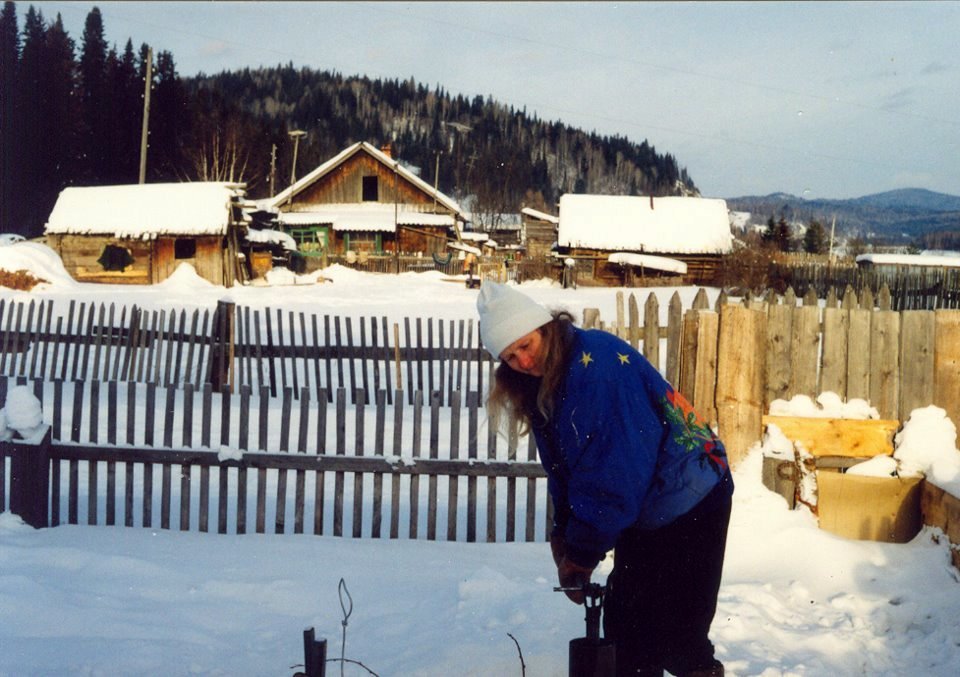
[(9, 119), (815, 239), (95, 102)]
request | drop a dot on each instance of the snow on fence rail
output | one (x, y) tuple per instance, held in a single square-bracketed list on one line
[(143, 455)]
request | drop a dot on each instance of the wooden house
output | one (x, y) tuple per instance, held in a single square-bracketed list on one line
[(364, 201), (667, 231), (540, 232), (141, 233)]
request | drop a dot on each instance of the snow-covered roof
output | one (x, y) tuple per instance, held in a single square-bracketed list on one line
[(910, 260), (474, 236), (145, 210), (671, 225), (647, 261), (364, 216), (280, 198), (533, 213), (268, 236)]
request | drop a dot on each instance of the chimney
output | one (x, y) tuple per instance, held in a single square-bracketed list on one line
[(387, 150)]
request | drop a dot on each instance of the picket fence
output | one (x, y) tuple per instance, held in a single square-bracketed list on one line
[(210, 460)]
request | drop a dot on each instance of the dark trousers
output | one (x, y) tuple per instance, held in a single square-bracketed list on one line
[(662, 593)]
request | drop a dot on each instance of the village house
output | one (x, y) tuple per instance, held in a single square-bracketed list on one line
[(141, 233), (540, 232), (364, 202), (616, 239)]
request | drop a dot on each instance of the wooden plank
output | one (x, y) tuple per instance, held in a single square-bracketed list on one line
[(319, 479), (112, 424), (651, 331), (131, 439), (674, 336), (804, 351), (946, 379), (415, 450), (205, 437), (473, 407), (778, 361), (491, 535), (435, 398), (226, 407), (885, 363), (530, 534), (338, 479), (166, 491), (742, 339), (858, 354), (243, 443), (453, 487), (847, 438), (395, 477), (917, 346), (376, 523), (360, 399), (93, 466), (705, 376), (833, 373), (300, 486), (511, 534), (688, 354)]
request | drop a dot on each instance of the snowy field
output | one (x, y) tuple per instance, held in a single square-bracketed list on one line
[(795, 600)]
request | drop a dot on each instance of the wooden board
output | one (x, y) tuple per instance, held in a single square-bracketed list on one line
[(739, 378), (838, 437), (916, 360), (946, 379)]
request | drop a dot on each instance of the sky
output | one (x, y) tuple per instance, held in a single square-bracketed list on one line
[(816, 99), (795, 600)]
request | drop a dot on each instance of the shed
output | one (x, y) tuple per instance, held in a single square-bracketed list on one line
[(363, 200), (540, 232), (141, 233), (695, 231)]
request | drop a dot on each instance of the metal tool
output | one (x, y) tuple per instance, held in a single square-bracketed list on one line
[(591, 656)]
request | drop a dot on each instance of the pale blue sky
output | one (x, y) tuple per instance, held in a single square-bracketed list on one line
[(822, 100)]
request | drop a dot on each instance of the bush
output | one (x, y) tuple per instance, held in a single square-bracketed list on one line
[(20, 280)]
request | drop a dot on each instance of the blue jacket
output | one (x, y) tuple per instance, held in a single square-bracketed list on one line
[(622, 448)]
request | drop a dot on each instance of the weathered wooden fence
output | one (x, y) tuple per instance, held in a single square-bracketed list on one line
[(143, 455), (926, 288)]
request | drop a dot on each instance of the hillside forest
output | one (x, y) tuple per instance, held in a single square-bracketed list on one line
[(71, 114)]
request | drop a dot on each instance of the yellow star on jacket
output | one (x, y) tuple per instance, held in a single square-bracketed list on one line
[(624, 359), (586, 359)]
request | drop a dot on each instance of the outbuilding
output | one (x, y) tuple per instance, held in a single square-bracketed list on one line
[(141, 233), (694, 232)]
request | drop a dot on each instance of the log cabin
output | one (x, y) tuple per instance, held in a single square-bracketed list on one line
[(141, 233), (667, 230), (365, 201)]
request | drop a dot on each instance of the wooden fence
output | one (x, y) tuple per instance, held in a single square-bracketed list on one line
[(143, 455), (926, 288)]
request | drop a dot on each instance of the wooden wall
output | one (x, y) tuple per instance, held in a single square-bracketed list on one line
[(208, 262), (80, 254)]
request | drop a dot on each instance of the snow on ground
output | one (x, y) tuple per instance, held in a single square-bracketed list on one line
[(795, 600)]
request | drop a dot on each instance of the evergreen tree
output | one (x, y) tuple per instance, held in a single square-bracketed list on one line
[(815, 239), (95, 102), (9, 119), (169, 123)]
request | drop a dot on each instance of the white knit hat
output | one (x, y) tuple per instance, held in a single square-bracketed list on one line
[(506, 315)]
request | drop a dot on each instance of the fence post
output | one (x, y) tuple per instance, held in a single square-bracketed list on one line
[(30, 480), (221, 355)]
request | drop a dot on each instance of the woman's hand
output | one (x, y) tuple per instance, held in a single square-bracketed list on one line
[(572, 575)]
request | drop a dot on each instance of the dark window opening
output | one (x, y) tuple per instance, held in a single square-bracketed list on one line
[(115, 258), (371, 191), (185, 248)]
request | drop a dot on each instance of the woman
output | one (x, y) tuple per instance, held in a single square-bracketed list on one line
[(630, 466)]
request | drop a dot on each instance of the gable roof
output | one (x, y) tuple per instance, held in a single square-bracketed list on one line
[(541, 216), (389, 162), (146, 210), (670, 225)]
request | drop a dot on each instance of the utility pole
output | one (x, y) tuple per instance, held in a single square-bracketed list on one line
[(296, 135), (273, 170), (436, 179), (144, 129), (833, 227)]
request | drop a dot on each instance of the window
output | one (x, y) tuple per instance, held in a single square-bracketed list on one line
[(115, 258), (371, 190), (184, 248)]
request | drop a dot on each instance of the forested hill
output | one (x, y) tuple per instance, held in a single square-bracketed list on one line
[(71, 112), (500, 155)]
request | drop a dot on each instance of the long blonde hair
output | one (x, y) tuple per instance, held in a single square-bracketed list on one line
[(517, 400)]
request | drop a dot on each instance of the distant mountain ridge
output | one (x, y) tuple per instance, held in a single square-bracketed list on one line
[(897, 216)]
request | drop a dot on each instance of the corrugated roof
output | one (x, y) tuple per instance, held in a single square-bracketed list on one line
[(145, 210), (669, 225)]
